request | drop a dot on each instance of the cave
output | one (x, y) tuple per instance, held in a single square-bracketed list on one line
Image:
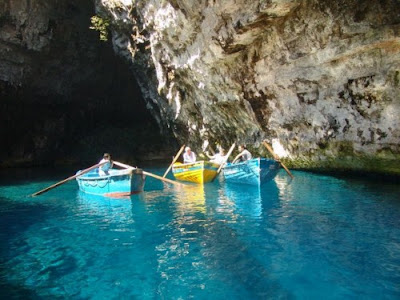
[(166, 77), (66, 97)]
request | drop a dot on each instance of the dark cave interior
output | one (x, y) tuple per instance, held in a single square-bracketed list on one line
[(75, 100)]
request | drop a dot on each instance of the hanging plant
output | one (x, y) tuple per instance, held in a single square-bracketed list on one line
[(101, 25)]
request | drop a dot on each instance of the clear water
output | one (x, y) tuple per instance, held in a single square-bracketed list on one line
[(314, 237)]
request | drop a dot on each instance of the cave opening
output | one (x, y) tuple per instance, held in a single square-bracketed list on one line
[(71, 98)]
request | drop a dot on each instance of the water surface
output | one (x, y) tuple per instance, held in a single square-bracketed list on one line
[(309, 238)]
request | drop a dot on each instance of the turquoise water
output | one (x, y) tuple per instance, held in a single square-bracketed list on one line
[(314, 237)]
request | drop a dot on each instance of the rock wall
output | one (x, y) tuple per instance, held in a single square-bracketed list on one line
[(318, 79)]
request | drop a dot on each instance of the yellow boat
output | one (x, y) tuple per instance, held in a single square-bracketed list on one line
[(198, 172)]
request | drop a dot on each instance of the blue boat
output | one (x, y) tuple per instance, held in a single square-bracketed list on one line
[(255, 171), (117, 183)]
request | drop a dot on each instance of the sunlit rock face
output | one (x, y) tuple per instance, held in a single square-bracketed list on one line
[(64, 95), (318, 79)]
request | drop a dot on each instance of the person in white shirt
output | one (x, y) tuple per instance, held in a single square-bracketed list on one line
[(189, 156), (103, 170), (218, 158), (243, 155)]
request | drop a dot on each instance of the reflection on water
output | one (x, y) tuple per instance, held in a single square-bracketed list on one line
[(246, 201), (284, 185), (190, 198), (205, 246), (204, 249), (112, 210)]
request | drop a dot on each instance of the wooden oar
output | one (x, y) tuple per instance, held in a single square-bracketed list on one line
[(68, 179), (162, 178), (205, 146), (276, 157), (148, 174), (174, 160), (226, 157)]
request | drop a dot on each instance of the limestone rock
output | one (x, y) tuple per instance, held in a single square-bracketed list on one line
[(318, 78)]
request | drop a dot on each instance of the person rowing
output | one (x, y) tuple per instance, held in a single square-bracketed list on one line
[(244, 154), (103, 170), (219, 157)]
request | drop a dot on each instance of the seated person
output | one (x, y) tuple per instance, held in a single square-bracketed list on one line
[(218, 158), (243, 155), (189, 156), (103, 170)]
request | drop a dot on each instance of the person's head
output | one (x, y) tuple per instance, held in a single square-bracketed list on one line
[(241, 147), (188, 150), (222, 150), (107, 156)]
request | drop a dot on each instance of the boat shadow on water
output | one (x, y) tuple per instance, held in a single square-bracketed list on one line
[(252, 200), (234, 262)]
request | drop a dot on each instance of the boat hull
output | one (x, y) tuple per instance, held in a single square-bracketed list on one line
[(198, 172), (117, 184), (252, 172)]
